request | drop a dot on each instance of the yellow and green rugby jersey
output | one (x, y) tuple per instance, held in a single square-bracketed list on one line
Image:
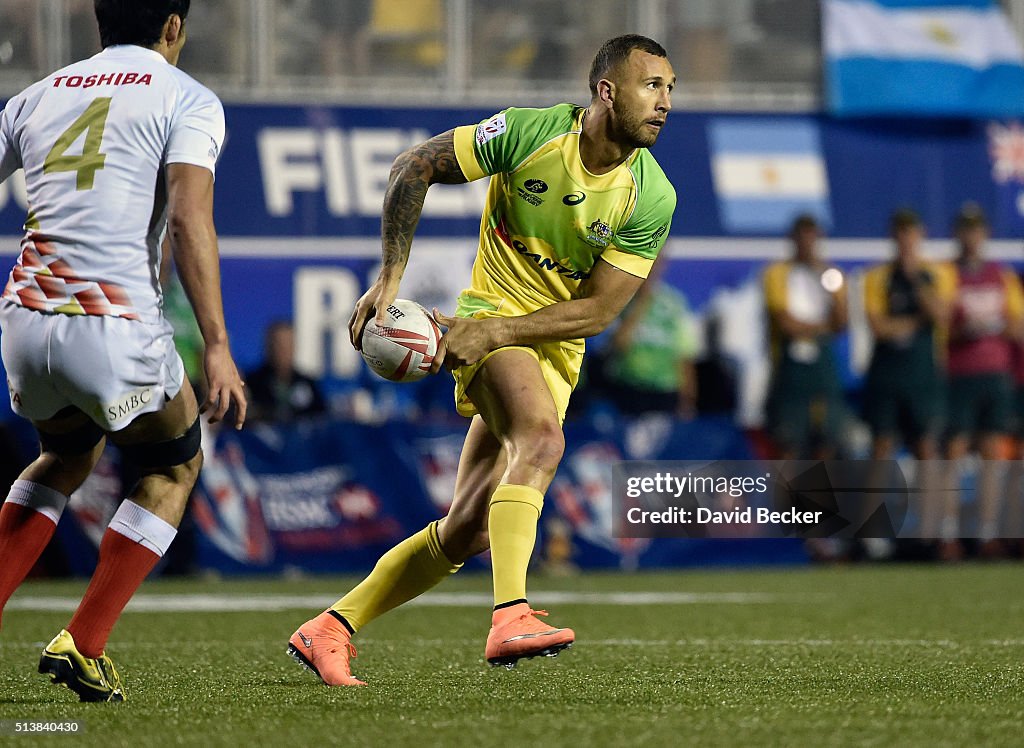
[(547, 219)]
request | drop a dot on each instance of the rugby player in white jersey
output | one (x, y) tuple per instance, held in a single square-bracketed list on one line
[(118, 150)]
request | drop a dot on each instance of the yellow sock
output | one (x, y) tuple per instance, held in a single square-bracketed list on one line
[(409, 569), (512, 526)]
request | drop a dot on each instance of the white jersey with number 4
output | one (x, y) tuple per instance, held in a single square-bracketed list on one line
[(94, 139)]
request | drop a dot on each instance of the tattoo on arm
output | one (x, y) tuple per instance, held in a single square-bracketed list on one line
[(431, 162)]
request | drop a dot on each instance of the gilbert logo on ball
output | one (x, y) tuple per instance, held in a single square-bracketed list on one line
[(403, 349)]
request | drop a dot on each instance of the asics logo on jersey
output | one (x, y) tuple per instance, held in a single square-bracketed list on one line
[(574, 198)]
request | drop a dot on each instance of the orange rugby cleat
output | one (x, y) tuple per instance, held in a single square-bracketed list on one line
[(516, 633), (323, 645)]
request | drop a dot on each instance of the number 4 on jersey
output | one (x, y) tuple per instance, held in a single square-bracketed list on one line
[(86, 164)]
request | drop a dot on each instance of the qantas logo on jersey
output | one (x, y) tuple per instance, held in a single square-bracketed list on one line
[(548, 263), (107, 79), (544, 263)]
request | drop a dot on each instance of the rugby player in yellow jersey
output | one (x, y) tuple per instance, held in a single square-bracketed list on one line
[(577, 211)]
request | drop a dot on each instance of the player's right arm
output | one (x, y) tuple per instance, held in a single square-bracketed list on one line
[(190, 159), (194, 244), (430, 162)]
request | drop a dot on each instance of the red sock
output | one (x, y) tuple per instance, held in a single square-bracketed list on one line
[(24, 533), (122, 567)]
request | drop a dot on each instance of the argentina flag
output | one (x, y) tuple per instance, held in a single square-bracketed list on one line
[(945, 58), (766, 172)]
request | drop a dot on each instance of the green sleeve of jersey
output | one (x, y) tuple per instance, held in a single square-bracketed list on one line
[(505, 140), (647, 229)]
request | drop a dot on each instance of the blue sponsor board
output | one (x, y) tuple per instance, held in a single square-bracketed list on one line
[(299, 191), (291, 172), (333, 495)]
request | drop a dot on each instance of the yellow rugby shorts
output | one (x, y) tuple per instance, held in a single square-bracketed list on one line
[(559, 364)]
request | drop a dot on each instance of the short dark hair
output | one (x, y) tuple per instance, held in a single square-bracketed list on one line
[(135, 21), (616, 51), (971, 214), (903, 218), (804, 221)]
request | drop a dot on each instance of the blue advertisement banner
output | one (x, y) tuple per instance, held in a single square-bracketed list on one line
[(318, 171), (332, 496), (299, 191)]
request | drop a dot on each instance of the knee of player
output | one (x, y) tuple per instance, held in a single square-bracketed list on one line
[(183, 474), (191, 468), (80, 465), (540, 446), (178, 459)]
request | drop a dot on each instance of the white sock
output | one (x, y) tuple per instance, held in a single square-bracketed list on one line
[(43, 499), (142, 526)]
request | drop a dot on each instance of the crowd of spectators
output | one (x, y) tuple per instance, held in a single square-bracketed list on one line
[(943, 386), (342, 46)]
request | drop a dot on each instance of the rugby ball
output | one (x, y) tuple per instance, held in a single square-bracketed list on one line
[(403, 349)]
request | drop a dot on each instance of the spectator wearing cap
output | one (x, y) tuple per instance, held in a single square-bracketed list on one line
[(987, 317), (908, 303), (807, 306)]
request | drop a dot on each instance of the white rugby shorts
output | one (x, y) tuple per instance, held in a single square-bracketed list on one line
[(110, 368)]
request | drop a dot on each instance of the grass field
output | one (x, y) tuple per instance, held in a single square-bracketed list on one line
[(843, 656)]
